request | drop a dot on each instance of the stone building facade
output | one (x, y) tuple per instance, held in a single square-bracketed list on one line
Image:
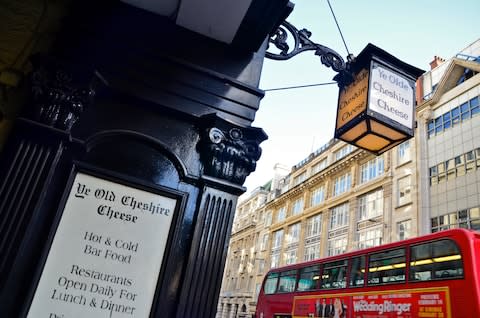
[(338, 199), (341, 198), (89, 92), (245, 265)]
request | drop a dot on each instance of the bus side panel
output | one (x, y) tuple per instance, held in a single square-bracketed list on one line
[(276, 304), (475, 254), (465, 293)]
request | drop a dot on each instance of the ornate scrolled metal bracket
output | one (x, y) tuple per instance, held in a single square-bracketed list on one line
[(302, 43)]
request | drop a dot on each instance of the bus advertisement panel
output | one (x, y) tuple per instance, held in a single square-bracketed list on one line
[(433, 276), (426, 302)]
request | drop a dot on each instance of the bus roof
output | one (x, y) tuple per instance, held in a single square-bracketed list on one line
[(470, 234)]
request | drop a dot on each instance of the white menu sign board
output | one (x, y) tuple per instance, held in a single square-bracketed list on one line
[(106, 254), (391, 95)]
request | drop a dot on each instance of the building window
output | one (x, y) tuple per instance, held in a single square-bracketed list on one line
[(450, 169), (404, 190), (236, 262), (268, 218), (470, 161), (314, 226), (433, 175), (446, 121), (297, 206), (371, 170), (277, 239), (370, 205), (312, 252), (439, 124), (300, 178), (291, 257), (455, 167), (403, 152), (264, 242), (261, 266), (337, 245), (342, 152), (339, 216), (370, 237), (342, 184), (404, 230), (430, 129), (281, 214), (453, 117), (464, 111), (460, 165), (442, 175), (243, 283), (257, 288), (275, 260), (468, 219), (293, 233), (318, 196), (319, 166), (474, 106)]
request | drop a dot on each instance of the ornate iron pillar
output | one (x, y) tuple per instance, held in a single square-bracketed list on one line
[(33, 164), (113, 103)]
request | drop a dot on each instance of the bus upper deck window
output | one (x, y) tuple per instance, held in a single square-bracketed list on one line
[(334, 274), (357, 274), (309, 277), (435, 260), (387, 267), (287, 281), (270, 286)]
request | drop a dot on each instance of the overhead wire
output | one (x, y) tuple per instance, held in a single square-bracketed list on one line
[(317, 84), (298, 86), (338, 27)]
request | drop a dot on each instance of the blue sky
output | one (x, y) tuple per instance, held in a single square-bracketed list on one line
[(298, 121)]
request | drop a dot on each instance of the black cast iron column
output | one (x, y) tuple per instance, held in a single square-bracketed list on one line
[(128, 96)]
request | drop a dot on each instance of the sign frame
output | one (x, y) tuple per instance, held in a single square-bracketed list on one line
[(371, 127), (348, 124), (124, 180), (384, 119), (369, 112)]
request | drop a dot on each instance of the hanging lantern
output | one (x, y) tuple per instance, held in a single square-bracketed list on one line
[(376, 111)]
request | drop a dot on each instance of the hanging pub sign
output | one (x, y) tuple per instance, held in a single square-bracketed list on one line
[(376, 110)]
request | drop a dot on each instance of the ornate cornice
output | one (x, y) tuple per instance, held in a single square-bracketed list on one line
[(318, 178), (426, 114), (58, 98), (341, 165), (228, 151)]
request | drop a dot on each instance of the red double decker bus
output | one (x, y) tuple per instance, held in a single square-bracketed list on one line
[(436, 275)]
